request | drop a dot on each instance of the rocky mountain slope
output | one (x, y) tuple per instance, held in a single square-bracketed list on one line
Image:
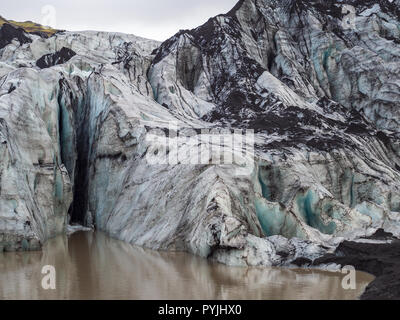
[(30, 27), (83, 117)]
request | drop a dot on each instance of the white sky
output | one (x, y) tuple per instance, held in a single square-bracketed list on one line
[(154, 19)]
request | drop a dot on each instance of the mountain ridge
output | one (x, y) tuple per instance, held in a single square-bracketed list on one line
[(30, 27)]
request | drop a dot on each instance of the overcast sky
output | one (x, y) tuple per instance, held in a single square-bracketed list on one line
[(155, 19)]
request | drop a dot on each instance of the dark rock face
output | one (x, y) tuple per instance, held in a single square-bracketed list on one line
[(381, 234), (52, 59), (302, 262), (8, 33), (381, 260)]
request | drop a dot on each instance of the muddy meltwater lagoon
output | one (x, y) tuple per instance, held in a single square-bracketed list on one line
[(93, 266)]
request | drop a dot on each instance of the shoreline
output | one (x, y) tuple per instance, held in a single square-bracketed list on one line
[(381, 260)]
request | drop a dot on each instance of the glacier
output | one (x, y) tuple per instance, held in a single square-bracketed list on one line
[(79, 112)]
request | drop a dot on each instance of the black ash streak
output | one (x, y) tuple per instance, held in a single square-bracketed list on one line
[(52, 59)]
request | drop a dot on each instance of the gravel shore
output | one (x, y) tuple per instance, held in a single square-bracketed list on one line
[(380, 259)]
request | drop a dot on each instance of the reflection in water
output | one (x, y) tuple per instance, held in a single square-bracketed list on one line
[(94, 266)]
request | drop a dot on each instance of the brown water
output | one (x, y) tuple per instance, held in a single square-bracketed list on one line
[(94, 266)]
